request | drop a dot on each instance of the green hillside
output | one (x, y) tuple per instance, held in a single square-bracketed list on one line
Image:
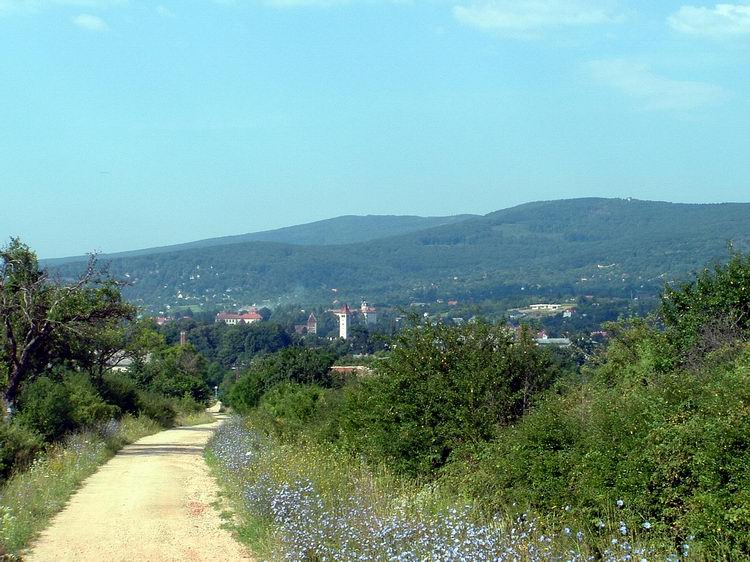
[(556, 248), (346, 229)]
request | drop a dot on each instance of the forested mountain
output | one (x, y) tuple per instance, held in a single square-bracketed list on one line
[(346, 229), (617, 247)]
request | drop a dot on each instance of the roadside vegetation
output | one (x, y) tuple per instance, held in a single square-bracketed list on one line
[(66, 407), (469, 443)]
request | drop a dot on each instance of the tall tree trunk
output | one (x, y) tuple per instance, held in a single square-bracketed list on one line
[(9, 396)]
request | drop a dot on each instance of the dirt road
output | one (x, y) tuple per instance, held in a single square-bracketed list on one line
[(151, 502)]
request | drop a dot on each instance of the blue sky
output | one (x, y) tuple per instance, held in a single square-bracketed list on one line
[(129, 123)]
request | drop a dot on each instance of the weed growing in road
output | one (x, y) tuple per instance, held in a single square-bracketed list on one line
[(29, 499), (301, 502)]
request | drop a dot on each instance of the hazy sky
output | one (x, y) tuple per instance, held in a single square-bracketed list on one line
[(128, 124)]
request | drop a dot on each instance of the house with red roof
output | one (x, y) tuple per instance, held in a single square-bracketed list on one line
[(235, 318)]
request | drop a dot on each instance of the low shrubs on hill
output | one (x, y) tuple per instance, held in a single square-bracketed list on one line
[(675, 449)]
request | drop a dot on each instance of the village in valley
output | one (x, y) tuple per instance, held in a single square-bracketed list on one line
[(553, 324)]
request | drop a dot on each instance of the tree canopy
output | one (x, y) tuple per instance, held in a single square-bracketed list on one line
[(45, 320)]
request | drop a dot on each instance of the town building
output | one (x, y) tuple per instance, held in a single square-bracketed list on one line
[(369, 313), (344, 315), (545, 306), (235, 318), (310, 327), (312, 324)]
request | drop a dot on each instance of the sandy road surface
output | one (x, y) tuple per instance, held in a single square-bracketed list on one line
[(151, 502)]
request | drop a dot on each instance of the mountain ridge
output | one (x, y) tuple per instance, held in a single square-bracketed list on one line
[(551, 249), (344, 229)]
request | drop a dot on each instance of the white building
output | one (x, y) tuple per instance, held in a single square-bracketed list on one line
[(344, 315), (369, 313), (234, 318)]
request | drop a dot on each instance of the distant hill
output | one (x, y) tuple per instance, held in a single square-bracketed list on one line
[(616, 247), (346, 229)]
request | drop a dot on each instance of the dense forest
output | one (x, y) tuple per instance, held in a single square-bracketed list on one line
[(547, 250)]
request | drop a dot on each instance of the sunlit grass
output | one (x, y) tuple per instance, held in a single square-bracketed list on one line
[(194, 418)]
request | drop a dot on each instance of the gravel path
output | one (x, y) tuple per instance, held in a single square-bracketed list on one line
[(151, 502)]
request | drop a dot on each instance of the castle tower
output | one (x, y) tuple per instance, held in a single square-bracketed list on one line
[(344, 315), (312, 324)]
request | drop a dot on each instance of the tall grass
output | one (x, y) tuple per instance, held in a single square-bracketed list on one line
[(29, 499), (194, 418), (306, 502)]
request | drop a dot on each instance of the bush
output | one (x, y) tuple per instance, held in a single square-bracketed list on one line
[(87, 406), (709, 312), (18, 447), (120, 391), (53, 408), (175, 371), (675, 449), (289, 408), (245, 394), (157, 407), (44, 406), (442, 389), (188, 405), (293, 364)]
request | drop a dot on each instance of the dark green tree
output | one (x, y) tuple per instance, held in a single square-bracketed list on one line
[(444, 388), (45, 319), (709, 312)]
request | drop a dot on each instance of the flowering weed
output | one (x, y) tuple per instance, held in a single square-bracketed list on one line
[(309, 504)]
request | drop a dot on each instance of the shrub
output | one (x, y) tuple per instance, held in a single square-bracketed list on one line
[(246, 393), (120, 391), (157, 407), (18, 447), (441, 389), (44, 406), (188, 405), (711, 311), (293, 364), (176, 371), (87, 406), (675, 449), (289, 408)]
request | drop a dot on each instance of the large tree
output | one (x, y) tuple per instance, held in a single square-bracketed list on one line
[(44, 320)]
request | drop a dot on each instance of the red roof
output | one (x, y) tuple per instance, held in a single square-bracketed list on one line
[(236, 316)]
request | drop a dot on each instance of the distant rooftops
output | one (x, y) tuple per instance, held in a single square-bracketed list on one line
[(238, 318)]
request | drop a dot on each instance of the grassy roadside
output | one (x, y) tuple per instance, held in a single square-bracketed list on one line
[(194, 418), (29, 499), (302, 501)]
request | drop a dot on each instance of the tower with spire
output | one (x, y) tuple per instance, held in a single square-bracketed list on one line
[(344, 315), (312, 324)]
